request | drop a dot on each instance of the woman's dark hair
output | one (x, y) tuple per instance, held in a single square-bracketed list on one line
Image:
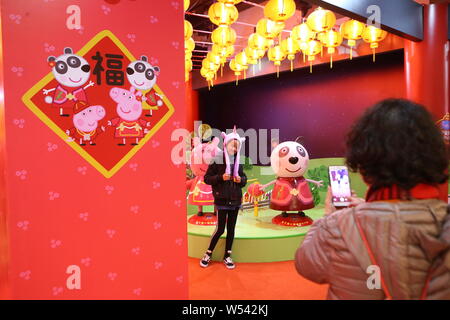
[(396, 142)]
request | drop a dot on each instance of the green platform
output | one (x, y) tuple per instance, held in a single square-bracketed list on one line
[(257, 239)]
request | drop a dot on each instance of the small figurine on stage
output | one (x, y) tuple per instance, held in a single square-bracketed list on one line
[(289, 161), (200, 193)]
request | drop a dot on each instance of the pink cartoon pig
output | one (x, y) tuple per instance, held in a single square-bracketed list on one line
[(85, 121), (128, 125), (200, 193)]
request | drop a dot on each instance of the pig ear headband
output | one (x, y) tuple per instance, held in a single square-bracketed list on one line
[(227, 138)]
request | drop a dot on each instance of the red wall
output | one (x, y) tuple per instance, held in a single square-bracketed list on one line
[(126, 233), (320, 106)]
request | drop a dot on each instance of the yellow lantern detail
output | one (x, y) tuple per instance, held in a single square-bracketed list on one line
[(269, 29), (258, 42), (313, 48), (189, 45), (331, 39), (290, 48), (213, 58), (373, 35), (352, 30), (208, 75), (321, 20), (188, 30), (232, 2), (223, 36), (237, 68), (302, 34), (276, 54), (187, 54), (188, 65), (279, 10), (222, 14), (187, 3)]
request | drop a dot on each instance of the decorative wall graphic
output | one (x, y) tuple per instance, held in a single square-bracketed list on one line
[(102, 101)]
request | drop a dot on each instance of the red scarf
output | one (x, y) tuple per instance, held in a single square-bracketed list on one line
[(419, 192)]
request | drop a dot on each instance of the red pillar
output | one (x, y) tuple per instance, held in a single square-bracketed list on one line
[(427, 65)]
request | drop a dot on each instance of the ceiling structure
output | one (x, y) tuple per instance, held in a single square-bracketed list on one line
[(248, 14)]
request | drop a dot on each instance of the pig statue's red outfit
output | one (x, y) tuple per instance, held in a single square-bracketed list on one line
[(200, 193), (291, 194), (129, 129)]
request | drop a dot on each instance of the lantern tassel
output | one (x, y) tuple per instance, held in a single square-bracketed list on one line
[(237, 79), (253, 68), (221, 70), (278, 71), (351, 53), (310, 67), (292, 65), (331, 61), (373, 50)]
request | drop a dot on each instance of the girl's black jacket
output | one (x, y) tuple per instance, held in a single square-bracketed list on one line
[(226, 193)]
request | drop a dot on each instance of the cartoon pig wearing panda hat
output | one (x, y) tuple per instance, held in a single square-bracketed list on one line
[(289, 160), (72, 72), (142, 75)]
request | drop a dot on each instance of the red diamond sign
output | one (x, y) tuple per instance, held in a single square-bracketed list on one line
[(102, 101)]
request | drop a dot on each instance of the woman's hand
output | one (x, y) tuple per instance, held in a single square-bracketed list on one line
[(237, 179), (226, 177)]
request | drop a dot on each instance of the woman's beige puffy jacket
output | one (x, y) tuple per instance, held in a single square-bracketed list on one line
[(405, 237)]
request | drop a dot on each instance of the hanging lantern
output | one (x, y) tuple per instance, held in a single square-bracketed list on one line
[(331, 39), (269, 29), (189, 45), (352, 30), (253, 56), (321, 20), (242, 59), (208, 75), (258, 42), (186, 76), (314, 48), (222, 51), (232, 2), (302, 34), (187, 54), (209, 65), (373, 35), (188, 65), (187, 3), (188, 30), (222, 15), (214, 58), (290, 48), (237, 68), (276, 54), (279, 10), (223, 36)]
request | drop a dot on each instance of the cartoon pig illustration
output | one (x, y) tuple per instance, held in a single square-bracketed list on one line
[(72, 72), (143, 76), (128, 125), (85, 121), (200, 193)]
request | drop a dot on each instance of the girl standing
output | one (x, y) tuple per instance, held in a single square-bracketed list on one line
[(227, 178)]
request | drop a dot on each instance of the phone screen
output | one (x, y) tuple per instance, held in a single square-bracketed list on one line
[(340, 186)]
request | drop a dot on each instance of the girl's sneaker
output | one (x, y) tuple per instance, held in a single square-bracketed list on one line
[(205, 260), (229, 263)]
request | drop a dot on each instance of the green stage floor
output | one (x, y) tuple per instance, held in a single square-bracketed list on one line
[(257, 239)]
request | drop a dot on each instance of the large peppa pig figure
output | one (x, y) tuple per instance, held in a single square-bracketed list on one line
[(289, 161), (128, 125), (200, 193), (72, 72), (85, 121)]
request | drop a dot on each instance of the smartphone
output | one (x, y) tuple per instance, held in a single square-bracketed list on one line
[(340, 186)]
